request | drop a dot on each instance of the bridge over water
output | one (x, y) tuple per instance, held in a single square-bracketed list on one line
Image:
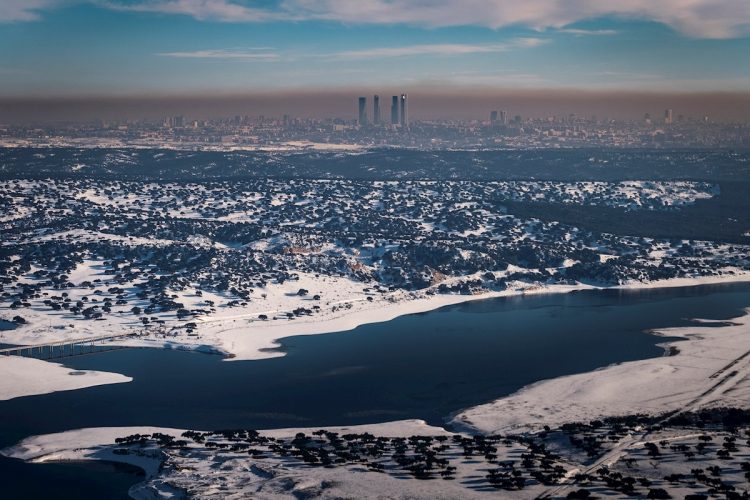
[(67, 348)]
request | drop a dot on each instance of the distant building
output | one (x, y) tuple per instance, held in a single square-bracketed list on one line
[(503, 117), (174, 122), (667, 117), (404, 112), (376, 109), (362, 119), (493, 117), (394, 110)]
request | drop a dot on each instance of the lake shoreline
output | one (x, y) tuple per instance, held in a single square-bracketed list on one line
[(223, 336), (517, 412), (233, 342)]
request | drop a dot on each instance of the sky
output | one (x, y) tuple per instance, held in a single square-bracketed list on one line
[(67, 51)]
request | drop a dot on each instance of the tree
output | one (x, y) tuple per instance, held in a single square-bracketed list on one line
[(658, 493)]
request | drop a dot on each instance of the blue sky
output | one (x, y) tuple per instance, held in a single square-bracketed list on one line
[(119, 47)]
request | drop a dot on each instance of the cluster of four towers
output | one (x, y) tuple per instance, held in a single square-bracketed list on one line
[(399, 111)]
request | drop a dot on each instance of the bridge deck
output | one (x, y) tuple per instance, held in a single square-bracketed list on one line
[(60, 346)]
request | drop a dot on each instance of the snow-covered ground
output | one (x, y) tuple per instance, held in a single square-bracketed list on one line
[(232, 144), (238, 332), (161, 261), (196, 200), (27, 377), (61, 446), (232, 267), (241, 334), (711, 369), (243, 476), (242, 331), (197, 471)]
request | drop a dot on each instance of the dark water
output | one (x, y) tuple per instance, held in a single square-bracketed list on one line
[(420, 366), (67, 481)]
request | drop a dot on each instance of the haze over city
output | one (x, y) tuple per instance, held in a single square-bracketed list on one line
[(427, 103)]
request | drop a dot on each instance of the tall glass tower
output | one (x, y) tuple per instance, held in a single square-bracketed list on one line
[(404, 112), (376, 109), (362, 118)]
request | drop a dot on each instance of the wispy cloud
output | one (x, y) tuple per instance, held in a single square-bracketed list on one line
[(582, 32), (257, 54), (262, 54), (213, 10), (437, 49), (696, 18), (24, 10)]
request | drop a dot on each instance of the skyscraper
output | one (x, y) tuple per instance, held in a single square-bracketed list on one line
[(394, 110), (362, 119), (503, 117), (174, 122), (667, 117), (404, 112), (493, 117), (376, 109)]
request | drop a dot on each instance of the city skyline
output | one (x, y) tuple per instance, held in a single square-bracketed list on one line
[(342, 104)]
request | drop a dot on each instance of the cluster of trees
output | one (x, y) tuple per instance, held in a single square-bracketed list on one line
[(406, 234), (529, 459)]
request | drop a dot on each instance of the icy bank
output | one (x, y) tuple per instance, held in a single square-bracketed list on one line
[(27, 377), (711, 369)]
